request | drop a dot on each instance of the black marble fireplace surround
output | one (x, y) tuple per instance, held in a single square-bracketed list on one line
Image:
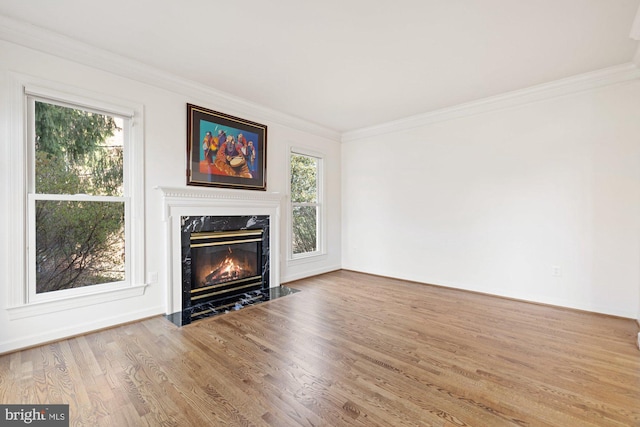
[(227, 302)]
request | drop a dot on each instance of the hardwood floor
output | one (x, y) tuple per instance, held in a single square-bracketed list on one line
[(350, 349)]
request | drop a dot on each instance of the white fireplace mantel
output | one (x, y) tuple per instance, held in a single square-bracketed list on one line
[(175, 197), (179, 202)]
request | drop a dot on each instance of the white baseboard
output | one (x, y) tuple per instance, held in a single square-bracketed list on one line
[(77, 329), (308, 273)]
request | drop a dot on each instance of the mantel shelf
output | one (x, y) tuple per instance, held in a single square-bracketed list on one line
[(218, 194)]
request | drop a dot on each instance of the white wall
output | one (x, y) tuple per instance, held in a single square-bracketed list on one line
[(165, 164), (492, 202)]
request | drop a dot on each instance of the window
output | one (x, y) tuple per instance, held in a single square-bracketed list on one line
[(81, 200), (306, 207)]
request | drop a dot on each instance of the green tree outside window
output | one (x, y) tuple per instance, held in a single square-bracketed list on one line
[(78, 242), (304, 203)]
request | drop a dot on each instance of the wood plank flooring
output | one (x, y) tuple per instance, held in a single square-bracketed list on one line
[(349, 350)]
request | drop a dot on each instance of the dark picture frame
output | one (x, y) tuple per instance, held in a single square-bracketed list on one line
[(225, 151)]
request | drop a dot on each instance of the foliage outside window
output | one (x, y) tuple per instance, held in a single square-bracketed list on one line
[(305, 204), (79, 205)]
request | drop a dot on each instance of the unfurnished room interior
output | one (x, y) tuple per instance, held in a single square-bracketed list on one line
[(337, 213)]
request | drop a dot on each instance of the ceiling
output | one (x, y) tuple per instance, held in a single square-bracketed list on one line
[(350, 64)]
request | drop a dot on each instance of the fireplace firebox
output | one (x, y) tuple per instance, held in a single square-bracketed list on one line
[(224, 263)]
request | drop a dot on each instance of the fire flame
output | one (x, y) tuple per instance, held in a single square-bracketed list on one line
[(232, 267)]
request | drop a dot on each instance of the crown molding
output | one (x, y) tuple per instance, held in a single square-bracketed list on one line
[(52, 43), (581, 82)]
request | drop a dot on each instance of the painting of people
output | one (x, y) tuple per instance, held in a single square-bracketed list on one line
[(224, 150)]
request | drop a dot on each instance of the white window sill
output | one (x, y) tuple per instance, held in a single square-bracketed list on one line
[(46, 307)]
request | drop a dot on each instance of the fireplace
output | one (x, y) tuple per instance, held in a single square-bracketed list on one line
[(225, 263), (189, 211)]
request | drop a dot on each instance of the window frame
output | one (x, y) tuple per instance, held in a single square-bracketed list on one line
[(320, 205), (22, 300)]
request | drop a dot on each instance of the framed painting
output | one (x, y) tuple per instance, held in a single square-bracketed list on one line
[(225, 151)]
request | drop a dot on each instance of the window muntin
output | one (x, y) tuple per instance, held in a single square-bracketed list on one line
[(305, 174), (78, 201)]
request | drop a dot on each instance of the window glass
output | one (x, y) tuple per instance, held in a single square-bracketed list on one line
[(77, 151), (305, 229), (78, 244), (305, 204), (304, 179), (79, 206)]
